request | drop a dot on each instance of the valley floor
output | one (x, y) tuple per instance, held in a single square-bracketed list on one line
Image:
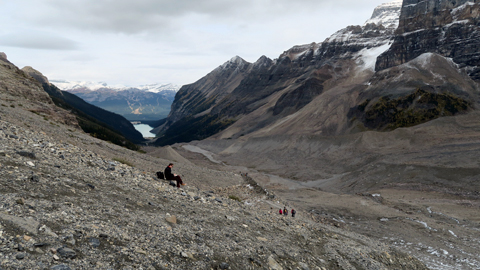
[(439, 227)]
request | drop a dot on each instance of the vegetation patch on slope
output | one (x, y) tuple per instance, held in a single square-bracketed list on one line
[(419, 107)]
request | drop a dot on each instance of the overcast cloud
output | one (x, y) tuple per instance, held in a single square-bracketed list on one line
[(162, 41)]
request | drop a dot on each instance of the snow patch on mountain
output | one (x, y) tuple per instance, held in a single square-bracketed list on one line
[(457, 10), (368, 56)]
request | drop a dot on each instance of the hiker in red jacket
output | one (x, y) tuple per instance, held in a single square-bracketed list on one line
[(170, 176), (280, 211)]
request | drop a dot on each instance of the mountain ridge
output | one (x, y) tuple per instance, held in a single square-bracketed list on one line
[(241, 87)]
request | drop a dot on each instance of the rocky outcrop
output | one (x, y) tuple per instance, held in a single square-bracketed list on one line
[(37, 75), (14, 81), (448, 28)]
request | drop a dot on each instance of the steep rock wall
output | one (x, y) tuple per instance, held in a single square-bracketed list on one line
[(446, 27)]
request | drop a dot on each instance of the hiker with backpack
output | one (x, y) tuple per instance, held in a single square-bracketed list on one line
[(170, 176)]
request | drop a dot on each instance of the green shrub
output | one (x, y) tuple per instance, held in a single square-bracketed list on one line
[(235, 198)]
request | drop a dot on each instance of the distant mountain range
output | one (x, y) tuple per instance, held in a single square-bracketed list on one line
[(143, 103)]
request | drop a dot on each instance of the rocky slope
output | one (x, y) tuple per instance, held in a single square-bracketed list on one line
[(16, 85), (70, 201)]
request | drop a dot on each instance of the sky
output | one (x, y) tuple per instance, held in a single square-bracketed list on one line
[(139, 42)]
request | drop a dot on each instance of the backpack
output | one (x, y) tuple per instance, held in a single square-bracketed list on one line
[(160, 175)]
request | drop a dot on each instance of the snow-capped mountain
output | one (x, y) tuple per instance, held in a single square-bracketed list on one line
[(295, 78), (93, 86), (146, 102), (386, 14), (363, 43)]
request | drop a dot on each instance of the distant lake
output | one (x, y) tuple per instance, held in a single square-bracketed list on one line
[(145, 130)]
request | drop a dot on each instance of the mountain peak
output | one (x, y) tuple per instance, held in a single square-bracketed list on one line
[(234, 61), (3, 55), (386, 14), (237, 59), (263, 61)]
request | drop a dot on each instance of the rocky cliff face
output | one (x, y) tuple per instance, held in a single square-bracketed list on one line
[(448, 28)]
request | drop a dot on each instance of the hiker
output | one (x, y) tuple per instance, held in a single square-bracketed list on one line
[(293, 212), (170, 176), (285, 211), (280, 211)]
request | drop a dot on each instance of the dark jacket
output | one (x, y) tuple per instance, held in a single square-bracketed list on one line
[(168, 173)]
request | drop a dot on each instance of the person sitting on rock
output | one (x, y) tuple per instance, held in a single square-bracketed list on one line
[(293, 212), (280, 211), (170, 176)]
